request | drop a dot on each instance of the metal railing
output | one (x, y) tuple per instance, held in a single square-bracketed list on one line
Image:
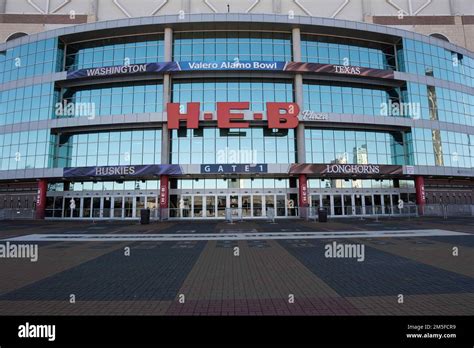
[(407, 210), (237, 214), (16, 214)]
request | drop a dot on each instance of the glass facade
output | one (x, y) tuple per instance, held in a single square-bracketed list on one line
[(115, 51), (27, 104), (424, 59), (33, 59), (116, 99), (359, 183), (418, 143), (232, 45), (245, 183), (343, 51), (350, 100), (25, 150), (208, 92), (452, 149), (110, 185), (451, 106), (358, 147), (109, 148), (250, 145)]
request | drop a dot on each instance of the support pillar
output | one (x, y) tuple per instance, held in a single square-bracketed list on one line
[(41, 199), (303, 196), (298, 90), (420, 193), (164, 196), (165, 134)]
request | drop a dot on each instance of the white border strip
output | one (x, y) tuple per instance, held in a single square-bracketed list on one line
[(229, 236)]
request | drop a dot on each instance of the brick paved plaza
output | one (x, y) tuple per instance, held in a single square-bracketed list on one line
[(259, 281)]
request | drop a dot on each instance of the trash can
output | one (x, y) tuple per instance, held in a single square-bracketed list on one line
[(322, 215), (145, 216)]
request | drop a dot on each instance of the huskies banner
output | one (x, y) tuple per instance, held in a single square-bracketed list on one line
[(159, 68), (125, 171), (344, 170)]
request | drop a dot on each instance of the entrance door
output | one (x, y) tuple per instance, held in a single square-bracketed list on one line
[(246, 206), (96, 207), (280, 205), (197, 210), (86, 207), (118, 207), (348, 209), (128, 207), (235, 206), (257, 205), (358, 204), (139, 205), (326, 203), (377, 204), (270, 205), (368, 205), (221, 205), (107, 207), (337, 203), (210, 206), (387, 204)]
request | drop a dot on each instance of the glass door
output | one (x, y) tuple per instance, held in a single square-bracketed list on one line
[(128, 207), (197, 209), (221, 205), (326, 203), (234, 205), (337, 203), (96, 207), (211, 206), (368, 205), (387, 204), (151, 204), (86, 207), (257, 205), (348, 210), (377, 204), (139, 205), (280, 205), (246, 206), (118, 207), (107, 207), (358, 204), (270, 205), (185, 206)]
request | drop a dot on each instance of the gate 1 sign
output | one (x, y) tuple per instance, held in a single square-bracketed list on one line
[(233, 168)]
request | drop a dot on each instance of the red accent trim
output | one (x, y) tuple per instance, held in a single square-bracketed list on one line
[(41, 199), (277, 120), (174, 116), (227, 119), (420, 190), (303, 190), (164, 187)]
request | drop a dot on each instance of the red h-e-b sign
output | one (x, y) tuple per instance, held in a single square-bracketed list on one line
[(279, 115)]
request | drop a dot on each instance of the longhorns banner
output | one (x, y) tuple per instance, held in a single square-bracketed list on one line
[(344, 170)]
